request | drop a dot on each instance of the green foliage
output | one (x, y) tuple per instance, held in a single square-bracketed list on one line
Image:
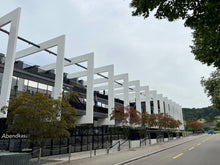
[(212, 88), (217, 129), (209, 118), (199, 113), (192, 125), (206, 128), (218, 125), (40, 117), (203, 16), (125, 115)]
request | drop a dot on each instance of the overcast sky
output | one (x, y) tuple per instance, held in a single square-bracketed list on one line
[(156, 52)]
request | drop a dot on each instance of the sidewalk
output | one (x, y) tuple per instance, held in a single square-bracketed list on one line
[(113, 157)]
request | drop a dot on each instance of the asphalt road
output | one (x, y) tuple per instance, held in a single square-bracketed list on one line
[(202, 151), (157, 154)]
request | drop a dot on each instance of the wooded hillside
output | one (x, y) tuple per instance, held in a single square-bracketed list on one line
[(208, 113)]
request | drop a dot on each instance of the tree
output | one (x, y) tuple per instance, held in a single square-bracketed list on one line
[(218, 125), (119, 115), (152, 120), (134, 116), (203, 16), (193, 125), (125, 115), (40, 117), (212, 88), (145, 117), (160, 120)]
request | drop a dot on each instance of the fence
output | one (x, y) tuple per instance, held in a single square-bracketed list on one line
[(108, 146), (81, 141)]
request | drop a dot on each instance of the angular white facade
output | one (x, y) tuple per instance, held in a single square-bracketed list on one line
[(128, 91), (12, 18)]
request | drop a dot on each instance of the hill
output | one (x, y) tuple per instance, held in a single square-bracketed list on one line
[(207, 113)]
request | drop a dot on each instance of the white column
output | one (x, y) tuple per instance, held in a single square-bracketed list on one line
[(171, 108), (20, 84), (110, 70), (160, 98), (153, 95), (58, 86), (136, 83), (89, 73), (166, 105), (13, 18), (146, 98), (60, 43), (181, 118), (124, 77)]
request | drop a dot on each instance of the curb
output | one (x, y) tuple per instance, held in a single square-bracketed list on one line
[(149, 154)]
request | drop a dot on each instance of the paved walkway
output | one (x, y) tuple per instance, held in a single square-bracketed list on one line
[(114, 157)]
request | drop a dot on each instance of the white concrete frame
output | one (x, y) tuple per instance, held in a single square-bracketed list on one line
[(176, 111), (111, 102), (135, 95), (181, 117), (171, 107), (110, 87), (160, 98), (153, 95), (124, 77), (124, 91), (60, 43), (13, 18), (136, 84), (168, 107), (166, 104), (89, 58), (146, 97)]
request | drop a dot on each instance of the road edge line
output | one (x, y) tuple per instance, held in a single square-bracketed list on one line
[(149, 154)]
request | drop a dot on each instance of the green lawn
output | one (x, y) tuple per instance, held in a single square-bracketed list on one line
[(216, 120)]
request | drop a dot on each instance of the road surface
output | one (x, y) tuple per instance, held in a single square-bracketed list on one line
[(202, 151)]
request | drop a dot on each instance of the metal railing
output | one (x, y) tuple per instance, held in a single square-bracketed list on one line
[(144, 140), (160, 138), (119, 145)]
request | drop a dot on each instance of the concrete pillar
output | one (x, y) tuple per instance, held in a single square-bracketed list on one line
[(153, 96), (21, 84), (60, 43), (89, 73), (110, 70), (160, 98), (146, 97), (13, 18), (124, 77), (136, 85)]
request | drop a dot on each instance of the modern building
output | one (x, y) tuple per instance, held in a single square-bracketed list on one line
[(95, 102)]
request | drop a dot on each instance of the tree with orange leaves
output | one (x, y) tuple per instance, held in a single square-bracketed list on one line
[(193, 125), (126, 115), (145, 117), (134, 115), (160, 120), (120, 115), (152, 120)]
